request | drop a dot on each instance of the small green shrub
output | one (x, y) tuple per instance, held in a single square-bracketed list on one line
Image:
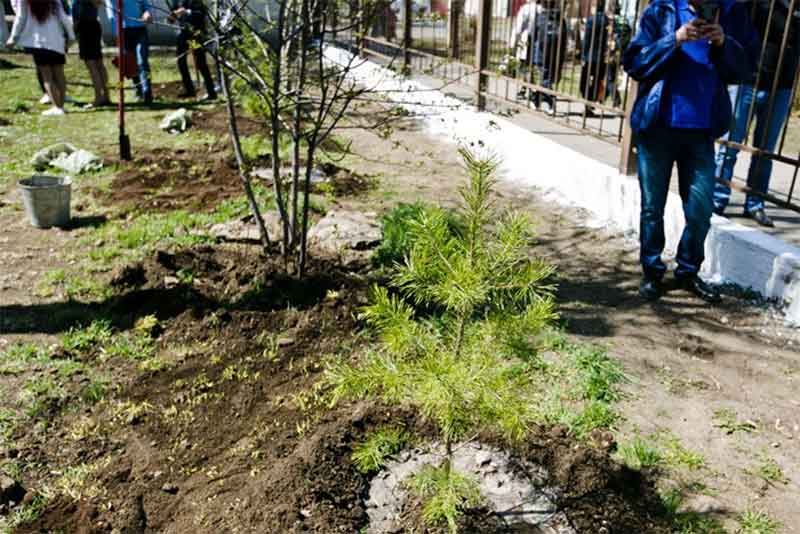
[(397, 228), (371, 455), (446, 494)]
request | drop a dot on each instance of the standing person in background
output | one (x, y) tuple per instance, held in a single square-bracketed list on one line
[(44, 30), (619, 35), (90, 46), (3, 25), (769, 110), (684, 55), (539, 39), (595, 42), (135, 17), (191, 15)]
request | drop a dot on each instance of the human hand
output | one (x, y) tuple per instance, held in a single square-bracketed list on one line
[(147, 18), (691, 31), (714, 32)]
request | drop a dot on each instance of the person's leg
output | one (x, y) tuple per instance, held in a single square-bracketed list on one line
[(696, 174), (97, 81), (655, 158), (182, 52), (60, 86), (742, 100), (205, 72), (131, 44), (45, 73), (101, 67), (768, 130), (143, 63)]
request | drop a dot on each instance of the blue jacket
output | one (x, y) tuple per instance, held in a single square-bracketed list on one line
[(132, 11), (650, 60)]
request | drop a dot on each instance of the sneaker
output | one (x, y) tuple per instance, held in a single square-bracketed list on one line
[(650, 289), (719, 210), (54, 111), (69, 100), (45, 99), (696, 286), (208, 98), (760, 216)]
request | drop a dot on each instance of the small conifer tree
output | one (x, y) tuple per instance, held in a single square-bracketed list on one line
[(468, 364)]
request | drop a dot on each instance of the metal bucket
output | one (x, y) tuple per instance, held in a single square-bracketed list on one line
[(46, 199)]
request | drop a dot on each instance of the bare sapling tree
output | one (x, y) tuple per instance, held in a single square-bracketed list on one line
[(276, 63)]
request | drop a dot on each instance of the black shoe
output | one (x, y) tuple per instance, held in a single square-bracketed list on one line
[(696, 286), (209, 97), (650, 289), (760, 216), (187, 94)]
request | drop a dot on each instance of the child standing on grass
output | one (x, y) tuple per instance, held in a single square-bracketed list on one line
[(90, 46), (44, 30)]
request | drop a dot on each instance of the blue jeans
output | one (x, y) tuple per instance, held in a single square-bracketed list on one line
[(693, 151), (136, 41), (766, 135)]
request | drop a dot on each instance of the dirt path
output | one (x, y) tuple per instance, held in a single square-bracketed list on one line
[(723, 380)]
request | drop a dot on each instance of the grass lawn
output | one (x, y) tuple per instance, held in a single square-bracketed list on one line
[(94, 130)]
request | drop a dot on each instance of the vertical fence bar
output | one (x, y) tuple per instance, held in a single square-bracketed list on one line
[(627, 160), (483, 36), (455, 29), (407, 8)]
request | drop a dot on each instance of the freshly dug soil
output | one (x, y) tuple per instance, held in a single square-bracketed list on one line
[(165, 180), (232, 438)]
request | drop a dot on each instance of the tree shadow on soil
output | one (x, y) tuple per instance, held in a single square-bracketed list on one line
[(597, 294)]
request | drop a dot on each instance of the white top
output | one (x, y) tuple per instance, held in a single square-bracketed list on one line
[(52, 34), (523, 27)]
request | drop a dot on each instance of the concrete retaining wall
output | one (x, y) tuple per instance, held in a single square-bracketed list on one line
[(734, 253)]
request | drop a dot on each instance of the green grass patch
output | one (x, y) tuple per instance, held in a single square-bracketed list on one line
[(688, 522), (638, 454), (371, 455), (754, 521), (446, 495)]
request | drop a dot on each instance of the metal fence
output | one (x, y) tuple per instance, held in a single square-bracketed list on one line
[(562, 58)]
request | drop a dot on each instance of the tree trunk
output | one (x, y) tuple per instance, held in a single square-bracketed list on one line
[(240, 163)]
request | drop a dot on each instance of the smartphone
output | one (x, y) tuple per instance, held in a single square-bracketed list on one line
[(708, 10)]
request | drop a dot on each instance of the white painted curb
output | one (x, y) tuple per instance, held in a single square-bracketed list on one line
[(734, 253)]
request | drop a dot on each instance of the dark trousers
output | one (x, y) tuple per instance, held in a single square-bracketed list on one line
[(658, 151), (592, 75), (199, 54)]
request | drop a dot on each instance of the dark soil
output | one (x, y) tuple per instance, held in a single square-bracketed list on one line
[(165, 180), (215, 121), (232, 438)]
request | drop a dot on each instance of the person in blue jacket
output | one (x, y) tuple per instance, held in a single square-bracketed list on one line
[(684, 55), (136, 14)]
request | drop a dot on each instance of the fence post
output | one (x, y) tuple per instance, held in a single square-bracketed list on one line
[(627, 158), (362, 27), (407, 36), (482, 49), (455, 28)]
